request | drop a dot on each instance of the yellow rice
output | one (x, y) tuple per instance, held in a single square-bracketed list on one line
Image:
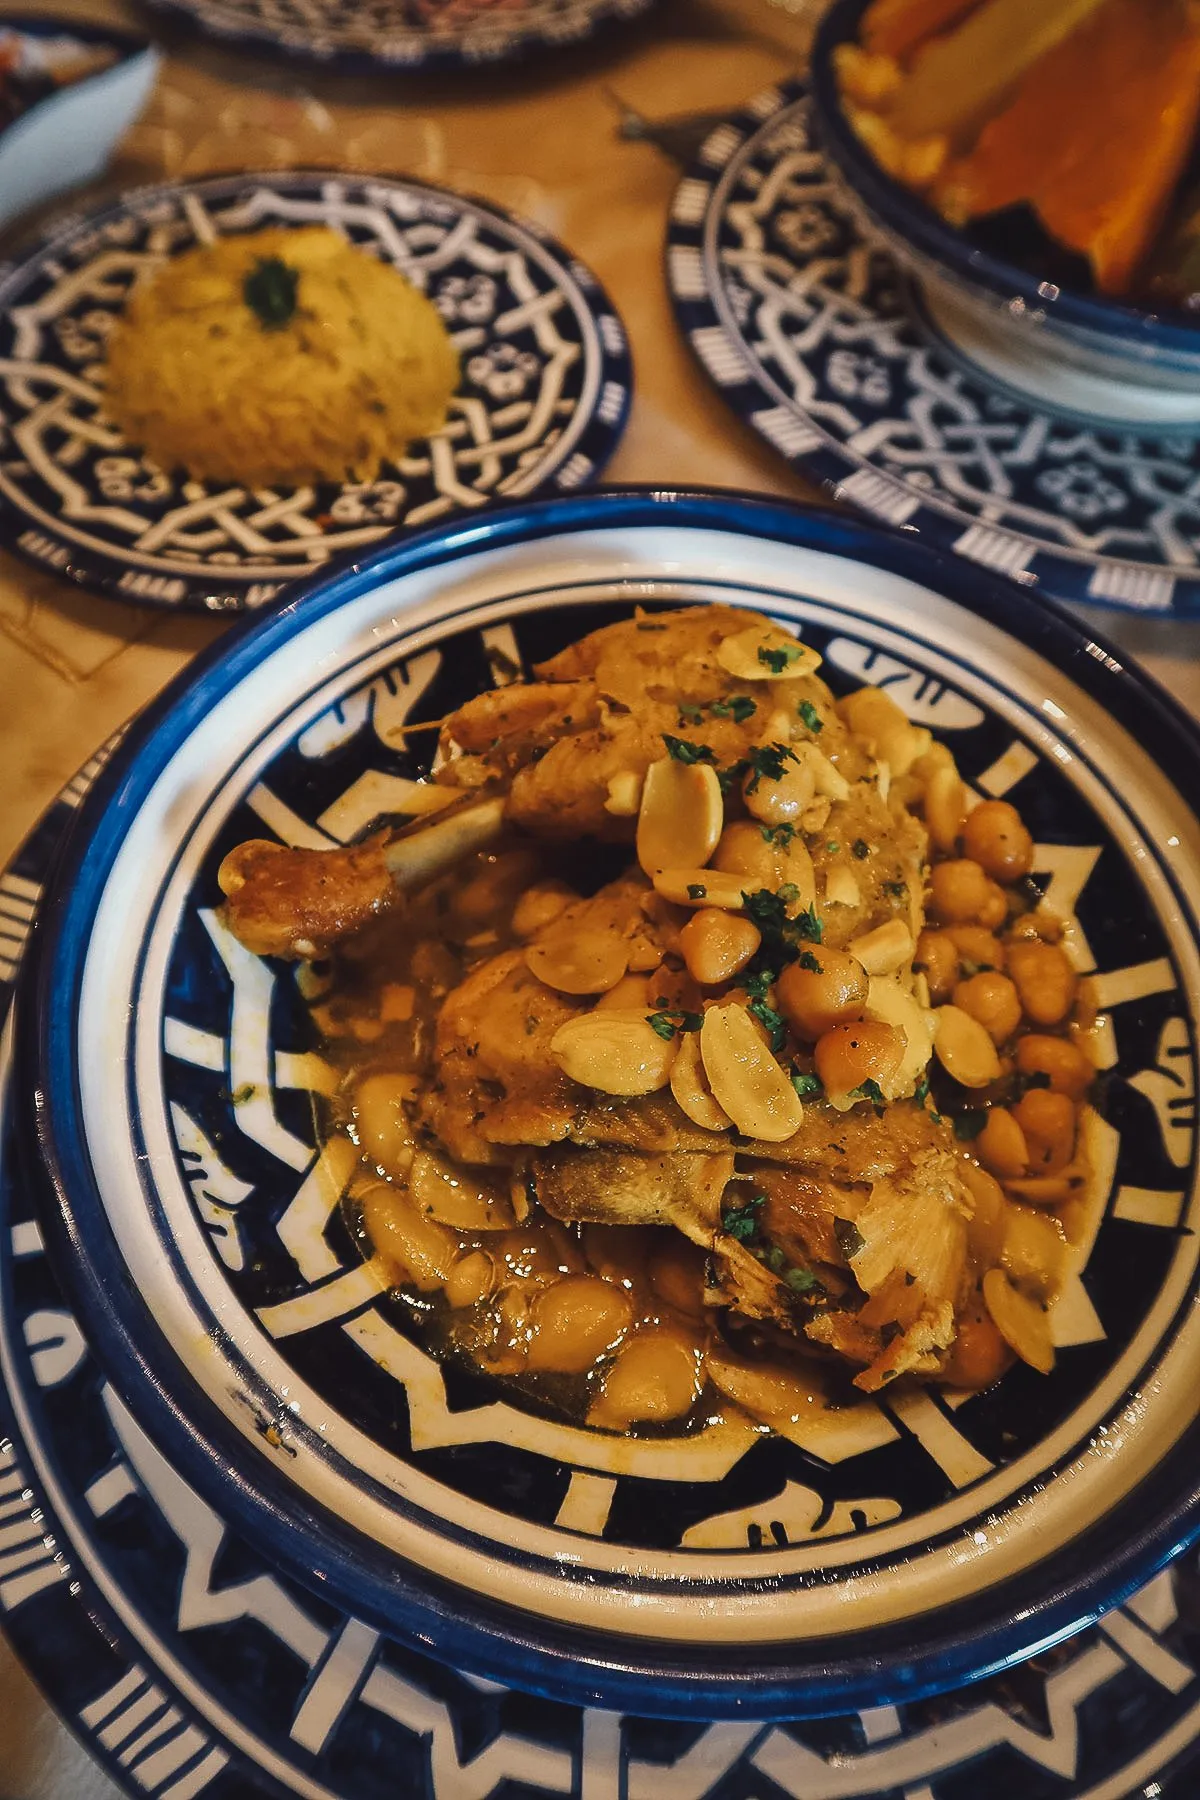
[(361, 368)]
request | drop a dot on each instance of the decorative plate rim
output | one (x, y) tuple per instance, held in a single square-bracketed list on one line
[(594, 437), (976, 1636), (452, 54), (1054, 571)]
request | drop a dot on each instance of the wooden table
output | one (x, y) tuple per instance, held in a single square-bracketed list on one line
[(542, 140)]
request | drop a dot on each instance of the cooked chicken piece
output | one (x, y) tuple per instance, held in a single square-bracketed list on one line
[(615, 1187), (299, 903)]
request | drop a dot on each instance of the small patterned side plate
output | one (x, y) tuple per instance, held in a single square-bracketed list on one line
[(397, 35), (542, 401), (815, 337), (194, 1671)]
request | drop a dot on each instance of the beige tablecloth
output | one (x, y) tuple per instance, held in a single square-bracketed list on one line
[(542, 140)]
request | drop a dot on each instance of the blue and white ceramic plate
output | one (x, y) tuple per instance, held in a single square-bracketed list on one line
[(375, 36), (200, 1228), (193, 1670), (815, 337), (542, 402)]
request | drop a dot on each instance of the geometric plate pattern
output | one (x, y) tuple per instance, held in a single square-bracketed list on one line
[(542, 399), (815, 337)]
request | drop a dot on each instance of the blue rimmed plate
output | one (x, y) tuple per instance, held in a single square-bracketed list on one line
[(174, 1076), (543, 398), (813, 335), (192, 1668), (379, 36)]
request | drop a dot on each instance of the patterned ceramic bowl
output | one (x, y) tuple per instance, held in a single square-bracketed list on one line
[(1090, 354), (173, 1077)]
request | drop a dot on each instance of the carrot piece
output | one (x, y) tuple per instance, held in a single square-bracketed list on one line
[(959, 80), (1096, 137), (898, 27)]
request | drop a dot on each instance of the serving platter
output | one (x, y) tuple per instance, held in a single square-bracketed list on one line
[(200, 1235), (543, 398), (815, 336), (378, 36), (189, 1665)]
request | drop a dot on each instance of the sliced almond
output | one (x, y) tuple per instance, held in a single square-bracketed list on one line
[(1021, 1322), (614, 1052), (681, 817), (745, 1078), (452, 1195), (945, 807), (964, 1048), (1035, 1251), (765, 653), (827, 780), (700, 887), (689, 1084), (884, 950), (572, 961), (895, 1005)]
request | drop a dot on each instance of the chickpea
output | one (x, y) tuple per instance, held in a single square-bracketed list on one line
[(1045, 980), (961, 894), (995, 836), (979, 1355), (677, 1275), (743, 850), (1048, 1121), (1068, 1068), (656, 1376), (993, 1000), (975, 945), (938, 959), (717, 945), (1001, 1146), (471, 1279), (814, 1000), (575, 1321), (848, 1055)]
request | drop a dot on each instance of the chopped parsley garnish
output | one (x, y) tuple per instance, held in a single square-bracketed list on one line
[(921, 1091), (801, 1281), (810, 716), (850, 1239), (741, 1222), (832, 847), (808, 924), (860, 849), (771, 1022), (756, 985), (767, 762), (806, 960), (684, 751), (697, 890), (808, 1087), (898, 890), (779, 836), (740, 708), (768, 911), (777, 660), (782, 936), (733, 773), (666, 1024), (690, 715), (269, 290), (869, 1090), (968, 1125)]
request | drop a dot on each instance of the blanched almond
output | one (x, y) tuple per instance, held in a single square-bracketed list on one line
[(745, 1078), (1021, 1322), (894, 1005), (624, 794), (765, 653), (454, 1196), (1035, 1251), (700, 887), (614, 1052), (841, 889), (689, 1084), (681, 815), (964, 1048), (573, 961), (884, 950), (945, 807)]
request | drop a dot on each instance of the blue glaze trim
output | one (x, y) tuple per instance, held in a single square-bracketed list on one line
[(1160, 339), (996, 1628)]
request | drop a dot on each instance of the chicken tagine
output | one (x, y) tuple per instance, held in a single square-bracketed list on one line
[(705, 1047)]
